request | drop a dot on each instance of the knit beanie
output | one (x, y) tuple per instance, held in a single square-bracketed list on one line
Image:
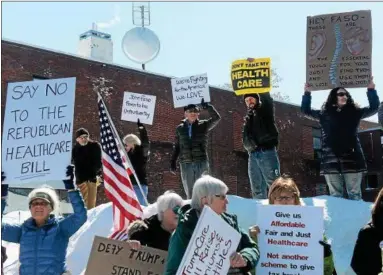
[(81, 131)]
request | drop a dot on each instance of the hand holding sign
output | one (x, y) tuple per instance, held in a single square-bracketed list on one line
[(204, 104), (308, 88), (371, 84), (237, 260), (136, 245), (139, 124)]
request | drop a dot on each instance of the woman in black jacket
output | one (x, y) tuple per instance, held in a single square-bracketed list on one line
[(138, 153), (367, 257), (342, 161)]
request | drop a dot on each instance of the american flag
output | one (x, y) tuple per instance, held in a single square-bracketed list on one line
[(118, 186)]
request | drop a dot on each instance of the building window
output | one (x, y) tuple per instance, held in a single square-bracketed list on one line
[(371, 181), (39, 77), (317, 143)]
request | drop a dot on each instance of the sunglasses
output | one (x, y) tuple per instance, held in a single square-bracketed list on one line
[(39, 203), (341, 94)]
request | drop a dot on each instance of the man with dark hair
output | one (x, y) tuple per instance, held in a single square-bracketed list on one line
[(191, 144), (260, 139), (87, 159)]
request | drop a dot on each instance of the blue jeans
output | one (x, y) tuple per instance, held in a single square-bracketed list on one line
[(263, 168), (190, 172), (352, 181), (140, 197)]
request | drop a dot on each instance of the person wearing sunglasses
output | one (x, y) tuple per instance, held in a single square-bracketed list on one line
[(342, 159), (284, 191), (211, 192), (191, 144), (44, 237), (87, 159)]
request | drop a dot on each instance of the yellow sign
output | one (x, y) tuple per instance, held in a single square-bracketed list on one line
[(249, 77)]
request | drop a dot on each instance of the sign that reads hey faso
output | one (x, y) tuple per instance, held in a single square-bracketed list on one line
[(339, 48), (289, 240), (111, 257), (210, 247), (254, 76), (190, 90), (138, 106), (38, 127)]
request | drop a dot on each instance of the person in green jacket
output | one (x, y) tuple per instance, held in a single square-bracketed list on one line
[(209, 191), (284, 191)]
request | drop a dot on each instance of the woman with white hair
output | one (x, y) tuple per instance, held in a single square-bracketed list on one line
[(212, 192), (44, 238), (138, 153), (155, 231)]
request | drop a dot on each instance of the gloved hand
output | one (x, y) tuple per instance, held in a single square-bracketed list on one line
[(326, 249), (69, 183), (173, 166), (204, 104), (139, 124), (4, 187)]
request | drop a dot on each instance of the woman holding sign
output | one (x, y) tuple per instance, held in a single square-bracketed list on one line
[(343, 161), (211, 192), (44, 238)]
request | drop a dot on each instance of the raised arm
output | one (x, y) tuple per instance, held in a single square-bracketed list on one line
[(214, 115), (380, 114), (373, 100), (145, 143), (267, 106), (306, 104)]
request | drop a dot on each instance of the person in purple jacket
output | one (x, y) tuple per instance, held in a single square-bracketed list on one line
[(44, 238)]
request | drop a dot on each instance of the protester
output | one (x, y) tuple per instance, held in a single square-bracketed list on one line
[(87, 159), (380, 114), (284, 191), (211, 192), (367, 257), (342, 161), (260, 139), (44, 238), (138, 153), (4, 195), (155, 231), (191, 144)]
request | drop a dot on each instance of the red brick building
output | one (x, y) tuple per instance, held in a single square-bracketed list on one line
[(227, 157)]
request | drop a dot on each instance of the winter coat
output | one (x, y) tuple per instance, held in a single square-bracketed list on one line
[(367, 257), (341, 149), (150, 233), (188, 218), (380, 114), (194, 149), (259, 130), (3, 257), (139, 157), (43, 249), (87, 161)]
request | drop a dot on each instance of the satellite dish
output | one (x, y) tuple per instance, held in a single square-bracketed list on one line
[(141, 45)]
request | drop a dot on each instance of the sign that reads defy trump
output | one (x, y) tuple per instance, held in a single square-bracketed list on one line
[(253, 76)]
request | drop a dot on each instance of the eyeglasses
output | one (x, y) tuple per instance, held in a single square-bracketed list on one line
[(222, 197), (284, 198), (340, 94), (39, 203)]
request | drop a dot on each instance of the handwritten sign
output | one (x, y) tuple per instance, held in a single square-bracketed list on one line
[(138, 106), (190, 90), (289, 240), (248, 77), (38, 127), (116, 257), (339, 50), (212, 243)]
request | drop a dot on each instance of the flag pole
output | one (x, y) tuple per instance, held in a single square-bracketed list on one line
[(121, 144)]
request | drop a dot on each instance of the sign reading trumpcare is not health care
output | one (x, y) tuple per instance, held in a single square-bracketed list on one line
[(249, 77)]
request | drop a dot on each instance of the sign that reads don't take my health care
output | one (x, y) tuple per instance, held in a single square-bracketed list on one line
[(138, 106), (190, 90), (38, 127)]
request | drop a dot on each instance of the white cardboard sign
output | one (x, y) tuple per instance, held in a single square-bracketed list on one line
[(190, 90), (38, 130), (289, 240), (138, 106), (210, 247)]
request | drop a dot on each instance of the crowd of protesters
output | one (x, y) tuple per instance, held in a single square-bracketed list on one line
[(44, 237)]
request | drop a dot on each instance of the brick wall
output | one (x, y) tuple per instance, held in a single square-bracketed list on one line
[(227, 156)]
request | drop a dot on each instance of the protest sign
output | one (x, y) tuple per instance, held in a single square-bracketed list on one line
[(111, 257), (38, 127), (248, 77), (338, 50), (138, 106), (210, 247), (190, 90), (289, 240)]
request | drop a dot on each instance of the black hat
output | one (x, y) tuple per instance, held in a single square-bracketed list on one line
[(191, 107), (256, 96), (81, 131)]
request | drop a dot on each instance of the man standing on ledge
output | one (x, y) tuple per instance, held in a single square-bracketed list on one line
[(191, 144), (87, 159), (260, 139)]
